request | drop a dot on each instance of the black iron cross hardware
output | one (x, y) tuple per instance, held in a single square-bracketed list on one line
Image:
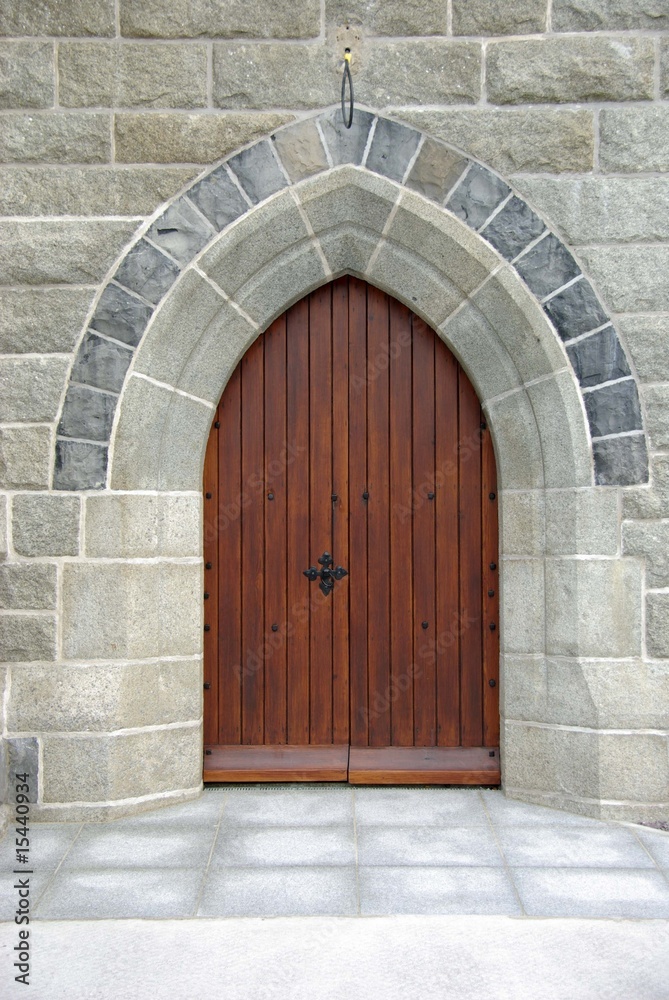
[(327, 574)]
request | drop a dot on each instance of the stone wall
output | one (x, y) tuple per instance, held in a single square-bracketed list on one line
[(110, 109)]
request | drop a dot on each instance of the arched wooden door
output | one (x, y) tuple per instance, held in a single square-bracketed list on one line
[(349, 429)]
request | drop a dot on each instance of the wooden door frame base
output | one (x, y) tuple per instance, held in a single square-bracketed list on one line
[(357, 765)]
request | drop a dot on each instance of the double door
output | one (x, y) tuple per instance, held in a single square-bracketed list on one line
[(350, 544)]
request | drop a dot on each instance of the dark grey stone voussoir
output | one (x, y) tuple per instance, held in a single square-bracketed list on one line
[(392, 149), (346, 145), (257, 171), (599, 358), (576, 310), (181, 231), (23, 759), (147, 271), (218, 198), (513, 228), (121, 316), (101, 363), (80, 466), (547, 266), (87, 413), (621, 461), (477, 196), (613, 409)]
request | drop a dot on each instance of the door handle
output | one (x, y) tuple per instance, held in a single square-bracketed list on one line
[(327, 573)]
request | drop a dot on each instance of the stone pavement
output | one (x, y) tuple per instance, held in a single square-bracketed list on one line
[(317, 850), (398, 893)]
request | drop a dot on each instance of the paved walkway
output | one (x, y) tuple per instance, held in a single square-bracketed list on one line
[(317, 850)]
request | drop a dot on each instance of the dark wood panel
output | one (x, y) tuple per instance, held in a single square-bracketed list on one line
[(447, 547), (229, 566), (298, 550), (211, 578), (400, 702), (470, 560), (253, 549), (320, 471), (276, 763), (357, 581), (490, 592), (423, 766), (275, 577), (425, 717), (378, 557), (340, 447)]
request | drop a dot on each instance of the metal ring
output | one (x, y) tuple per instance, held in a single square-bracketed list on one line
[(347, 76)]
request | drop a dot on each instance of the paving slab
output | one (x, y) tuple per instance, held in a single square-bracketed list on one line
[(273, 892), (430, 890)]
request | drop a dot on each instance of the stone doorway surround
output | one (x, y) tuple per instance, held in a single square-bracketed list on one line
[(115, 723)]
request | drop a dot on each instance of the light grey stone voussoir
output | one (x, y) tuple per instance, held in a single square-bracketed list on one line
[(168, 453), (520, 325), (517, 442), (409, 277), (481, 352), (564, 439), (197, 356), (102, 768), (593, 607), (45, 525), (241, 251), (281, 283), (348, 195), (348, 249)]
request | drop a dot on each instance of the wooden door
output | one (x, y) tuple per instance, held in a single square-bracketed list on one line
[(350, 439)]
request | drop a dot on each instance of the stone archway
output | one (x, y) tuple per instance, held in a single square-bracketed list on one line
[(276, 221)]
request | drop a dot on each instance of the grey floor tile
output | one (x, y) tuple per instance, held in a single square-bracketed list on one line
[(170, 846), (292, 805), (657, 843), (283, 845), (428, 845), (205, 811), (436, 890), (572, 846), (591, 892), (505, 812), (9, 897), (49, 842), (275, 892), (120, 893), (419, 806)]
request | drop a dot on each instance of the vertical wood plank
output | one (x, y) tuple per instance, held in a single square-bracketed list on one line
[(229, 567), (253, 550), (211, 576), (357, 582), (447, 541), (340, 595), (299, 553), (378, 485), (320, 472), (401, 527), (425, 717), (470, 563), (490, 595), (275, 532)]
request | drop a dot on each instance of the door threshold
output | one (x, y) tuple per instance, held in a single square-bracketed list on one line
[(424, 766), (276, 763)]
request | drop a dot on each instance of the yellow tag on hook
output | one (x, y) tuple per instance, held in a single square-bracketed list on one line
[(347, 55)]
